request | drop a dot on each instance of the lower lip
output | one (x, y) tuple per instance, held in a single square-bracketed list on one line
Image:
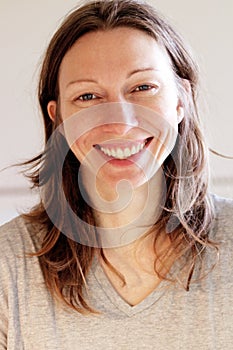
[(124, 162)]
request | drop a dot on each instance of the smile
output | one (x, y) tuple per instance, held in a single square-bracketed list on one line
[(123, 151)]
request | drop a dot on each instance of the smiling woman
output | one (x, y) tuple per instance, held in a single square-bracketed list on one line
[(126, 228), (145, 78)]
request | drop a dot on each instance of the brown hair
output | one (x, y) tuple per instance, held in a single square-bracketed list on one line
[(187, 213)]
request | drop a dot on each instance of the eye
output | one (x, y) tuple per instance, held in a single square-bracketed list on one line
[(87, 97), (149, 89), (144, 87)]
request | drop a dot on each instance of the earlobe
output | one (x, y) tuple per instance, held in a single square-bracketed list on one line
[(52, 109), (180, 114), (186, 92)]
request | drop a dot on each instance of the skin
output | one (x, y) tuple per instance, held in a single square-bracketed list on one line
[(127, 66)]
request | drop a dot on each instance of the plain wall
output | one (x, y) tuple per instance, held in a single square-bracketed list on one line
[(25, 29)]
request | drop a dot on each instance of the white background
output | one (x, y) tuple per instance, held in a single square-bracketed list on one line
[(26, 27)]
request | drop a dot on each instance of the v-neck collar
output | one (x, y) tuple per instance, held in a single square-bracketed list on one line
[(118, 301), (114, 297)]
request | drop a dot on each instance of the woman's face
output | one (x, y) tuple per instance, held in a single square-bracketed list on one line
[(124, 66)]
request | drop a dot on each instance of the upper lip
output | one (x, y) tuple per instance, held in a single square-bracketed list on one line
[(120, 143)]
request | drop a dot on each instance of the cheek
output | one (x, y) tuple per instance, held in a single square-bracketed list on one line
[(167, 109), (81, 147), (165, 103), (67, 107), (167, 126), (84, 145)]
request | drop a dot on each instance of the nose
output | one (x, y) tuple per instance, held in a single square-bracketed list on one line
[(120, 117)]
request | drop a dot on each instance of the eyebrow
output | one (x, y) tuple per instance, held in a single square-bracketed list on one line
[(81, 81), (139, 70)]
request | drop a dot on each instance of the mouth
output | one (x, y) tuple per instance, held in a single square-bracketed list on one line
[(124, 149)]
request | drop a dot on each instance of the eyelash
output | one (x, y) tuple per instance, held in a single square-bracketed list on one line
[(87, 97), (149, 87), (82, 97)]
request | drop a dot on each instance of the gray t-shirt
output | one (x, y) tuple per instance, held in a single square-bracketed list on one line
[(169, 318)]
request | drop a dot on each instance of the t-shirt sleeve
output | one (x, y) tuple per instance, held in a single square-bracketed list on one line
[(16, 271)]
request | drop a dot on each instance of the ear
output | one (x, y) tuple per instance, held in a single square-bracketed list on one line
[(52, 110), (185, 88), (180, 112)]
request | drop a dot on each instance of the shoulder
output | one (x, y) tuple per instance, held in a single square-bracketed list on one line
[(17, 236), (223, 210), (222, 226), (222, 206)]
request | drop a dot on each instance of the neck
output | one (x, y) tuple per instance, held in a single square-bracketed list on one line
[(128, 218)]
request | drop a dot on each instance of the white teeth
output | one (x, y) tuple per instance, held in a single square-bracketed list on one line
[(113, 153), (133, 150), (127, 152), (122, 153), (119, 153)]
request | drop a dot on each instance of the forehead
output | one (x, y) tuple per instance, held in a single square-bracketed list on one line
[(120, 49)]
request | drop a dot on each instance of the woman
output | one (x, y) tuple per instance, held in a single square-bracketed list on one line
[(126, 238)]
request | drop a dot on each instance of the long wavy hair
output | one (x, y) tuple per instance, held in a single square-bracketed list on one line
[(187, 213)]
